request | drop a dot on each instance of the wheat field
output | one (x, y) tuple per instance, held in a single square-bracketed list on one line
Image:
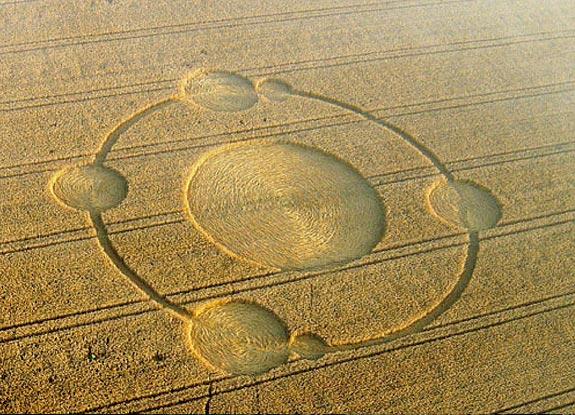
[(334, 206)]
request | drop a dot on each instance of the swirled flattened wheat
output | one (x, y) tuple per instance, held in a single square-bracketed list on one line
[(464, 204), (284, 205), (91, 188), (239, 337), (219, 91)]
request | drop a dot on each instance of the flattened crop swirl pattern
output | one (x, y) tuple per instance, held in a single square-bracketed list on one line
[(239, 195)]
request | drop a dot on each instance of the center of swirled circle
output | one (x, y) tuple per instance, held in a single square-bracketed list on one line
[(284, 205)]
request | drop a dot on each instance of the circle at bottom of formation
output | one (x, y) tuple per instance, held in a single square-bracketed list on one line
[(239, 337)]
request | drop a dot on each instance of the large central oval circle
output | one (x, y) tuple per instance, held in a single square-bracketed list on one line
[(284, 205)]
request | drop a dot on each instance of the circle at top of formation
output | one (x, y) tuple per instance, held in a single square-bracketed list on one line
[(284, 205), (219, 91)]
